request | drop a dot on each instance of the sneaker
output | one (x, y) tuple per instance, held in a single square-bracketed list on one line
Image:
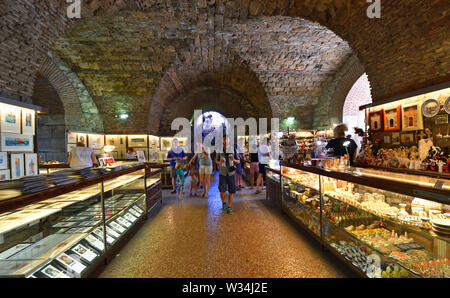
[(229, 210), (224, 206)]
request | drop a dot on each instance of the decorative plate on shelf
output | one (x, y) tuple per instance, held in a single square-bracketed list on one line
[(447, 105), (430, 108), (441, 222)]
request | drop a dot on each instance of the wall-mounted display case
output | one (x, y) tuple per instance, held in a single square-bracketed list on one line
[(70, 230), (380, 225)]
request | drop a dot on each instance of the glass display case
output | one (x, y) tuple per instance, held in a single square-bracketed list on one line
[(273, 181), (380, 225), (71, 234)]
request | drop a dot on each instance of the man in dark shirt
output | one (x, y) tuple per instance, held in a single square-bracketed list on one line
[(342, 145)]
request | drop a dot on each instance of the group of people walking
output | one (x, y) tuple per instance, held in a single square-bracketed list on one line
[(229, 166)]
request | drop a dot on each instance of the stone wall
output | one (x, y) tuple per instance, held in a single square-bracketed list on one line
[(51, 137)]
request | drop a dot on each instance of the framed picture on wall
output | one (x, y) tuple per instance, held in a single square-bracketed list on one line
[(412, 117), (166, 143), (392, 119), (17, 166), (31, 164), (70, 147), (71, 137), (96, 141), (407, 138), (441, 119), (10, 118), (137, 141), (153, 142), (3, 160), (28, 122), (376, 120), (5, 175), (395, 138), (14, 142), (387, 139), (82, 138)]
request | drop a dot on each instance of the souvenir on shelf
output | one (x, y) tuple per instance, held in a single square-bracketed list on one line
[(412, 117), (376, 120), (392, 119), (430, 108)]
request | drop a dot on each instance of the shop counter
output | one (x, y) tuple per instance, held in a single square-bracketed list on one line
[(380, 225)]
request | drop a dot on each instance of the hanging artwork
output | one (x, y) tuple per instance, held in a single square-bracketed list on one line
[(82, 138), (96, 141), (71, 137), (447, 105), (28, 122), (31, 164), (166, 143), (5, 175), (137, 141), (392, 119), (10, 119), (3, 160), (412, 117), (70, 147), (17, 166), (395, 138), (407, 138), (376, 120), (14, 142), (430, 108)]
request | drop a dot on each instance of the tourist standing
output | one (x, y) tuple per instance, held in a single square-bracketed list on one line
[(264, 157), (227, 179), (175, 154)]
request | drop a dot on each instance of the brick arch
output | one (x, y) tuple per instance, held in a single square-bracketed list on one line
[(80, 112), (382, 45), (331, 103)]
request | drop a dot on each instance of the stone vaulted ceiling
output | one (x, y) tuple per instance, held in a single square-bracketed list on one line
[(141, 62)]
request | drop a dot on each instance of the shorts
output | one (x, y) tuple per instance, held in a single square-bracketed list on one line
[(194, 180), (253, 167), (227, 183), (180, 185), (262, 169), (173, 174), (239, 169), (206, 170)]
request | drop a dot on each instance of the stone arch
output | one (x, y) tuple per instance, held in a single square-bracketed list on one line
[(80, 110), (329, 109)]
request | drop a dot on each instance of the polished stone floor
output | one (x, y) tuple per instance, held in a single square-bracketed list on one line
[(193, 237)]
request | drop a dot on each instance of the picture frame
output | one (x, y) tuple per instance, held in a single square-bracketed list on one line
[(376, 119), (412, 117), (72, 137), (82, 138), (138, 141), (393, 119), (70, 147), (395, 138), (441, 119), (153, 142), (28, 122), (387, 139), (141, 156), (3, 160), (31, 164), (430, 108), (10, 119), (17, 166), (407, 138), (96, 141), (166, 143), (16, 143), (5, 175)]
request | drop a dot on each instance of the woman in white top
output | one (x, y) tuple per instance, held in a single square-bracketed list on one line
[(81, 157)]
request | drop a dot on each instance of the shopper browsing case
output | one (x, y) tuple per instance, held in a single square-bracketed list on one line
[(227, 179), (175, 154), (81, 157), (264, 157)]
